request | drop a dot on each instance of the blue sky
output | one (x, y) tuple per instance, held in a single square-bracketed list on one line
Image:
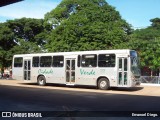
[(135, 12)]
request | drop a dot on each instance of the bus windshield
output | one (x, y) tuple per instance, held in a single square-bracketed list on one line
[(135, 63)]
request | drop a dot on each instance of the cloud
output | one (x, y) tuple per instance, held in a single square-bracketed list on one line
[(28, 9)]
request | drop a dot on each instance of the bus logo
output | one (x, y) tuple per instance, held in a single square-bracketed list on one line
[(83, 72), (45, 71)]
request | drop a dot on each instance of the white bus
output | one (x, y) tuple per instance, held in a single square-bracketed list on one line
[(102, 68)]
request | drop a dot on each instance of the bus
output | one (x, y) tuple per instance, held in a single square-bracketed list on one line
[(100, 68)]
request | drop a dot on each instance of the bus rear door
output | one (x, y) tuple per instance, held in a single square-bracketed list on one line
[(27, 69)]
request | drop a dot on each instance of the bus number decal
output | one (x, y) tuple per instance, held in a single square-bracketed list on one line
[(83, 72), (45, 71)]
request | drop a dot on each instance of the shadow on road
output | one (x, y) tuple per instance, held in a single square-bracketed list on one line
[(132, 89), (127, 89)]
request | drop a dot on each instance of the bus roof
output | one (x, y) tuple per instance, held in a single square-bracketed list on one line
[(117, 51)]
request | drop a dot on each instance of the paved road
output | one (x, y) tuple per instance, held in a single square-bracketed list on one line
[(20, 98)]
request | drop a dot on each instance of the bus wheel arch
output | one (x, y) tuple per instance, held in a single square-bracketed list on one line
[(41, 80), (103, 83)]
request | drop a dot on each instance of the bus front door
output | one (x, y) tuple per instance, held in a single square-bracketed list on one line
[(122, 71), (27, 70), (70, 71)]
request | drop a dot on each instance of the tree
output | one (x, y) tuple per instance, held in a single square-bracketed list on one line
[(6, 43), (21, 36), (28, 29), (149, 40), (155, 23), (147, 43), (85, 25)]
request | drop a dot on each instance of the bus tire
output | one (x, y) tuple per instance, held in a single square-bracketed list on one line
[(41, 81), (103, 84)]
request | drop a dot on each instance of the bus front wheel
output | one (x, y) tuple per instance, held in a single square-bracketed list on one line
[(103, 84), (41, 81)]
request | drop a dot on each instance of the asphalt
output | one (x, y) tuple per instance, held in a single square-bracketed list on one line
[(19, 96)]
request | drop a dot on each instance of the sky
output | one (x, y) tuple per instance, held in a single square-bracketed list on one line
[(136, 12)]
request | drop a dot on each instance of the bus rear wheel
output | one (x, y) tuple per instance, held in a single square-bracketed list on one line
[(103, 84), (41, 81)]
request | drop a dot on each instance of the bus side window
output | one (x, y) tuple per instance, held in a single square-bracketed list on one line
[(35, 62), (89, 60), (58, 61), (106, 60), (18, 62), (45, 61)]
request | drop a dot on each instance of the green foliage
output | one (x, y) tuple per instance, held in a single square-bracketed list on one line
[(85, 25), (21, 36), (147, 43), (26, 28), (6, 36), (149, 48), (6, 43), (155, 23)]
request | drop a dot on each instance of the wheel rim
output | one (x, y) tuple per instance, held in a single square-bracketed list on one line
[(103, 84), (41, 82)]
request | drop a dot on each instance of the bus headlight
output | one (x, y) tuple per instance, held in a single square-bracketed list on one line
[(133, 78)]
